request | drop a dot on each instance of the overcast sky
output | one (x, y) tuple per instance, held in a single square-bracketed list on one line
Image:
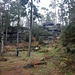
[(43, 3)]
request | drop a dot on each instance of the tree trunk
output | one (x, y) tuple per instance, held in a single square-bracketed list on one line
[(30, 31), (2, 45), (18, 30), (2, 38), (6, 35)]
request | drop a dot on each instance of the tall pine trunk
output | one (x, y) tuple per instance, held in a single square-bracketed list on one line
[(6, 35), (18, 28), (30, 31), (2, 38)]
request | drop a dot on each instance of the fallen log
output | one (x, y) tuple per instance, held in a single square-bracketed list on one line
[(41, 63), (32, 65)]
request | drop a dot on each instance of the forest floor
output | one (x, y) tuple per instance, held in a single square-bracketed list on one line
[(57, 62)]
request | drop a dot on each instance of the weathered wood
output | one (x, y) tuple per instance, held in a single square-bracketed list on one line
[(41, 63), (31, 65)]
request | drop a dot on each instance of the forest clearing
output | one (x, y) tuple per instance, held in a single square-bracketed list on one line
[(37, 37), (57, 62)]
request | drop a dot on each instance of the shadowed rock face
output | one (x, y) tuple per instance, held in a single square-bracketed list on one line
[(53, 29)]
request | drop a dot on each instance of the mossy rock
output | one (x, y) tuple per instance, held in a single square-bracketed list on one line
[(29, 66)]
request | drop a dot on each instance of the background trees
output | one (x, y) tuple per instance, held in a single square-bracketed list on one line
[(67, 8), (68, 35), (13, 12), (68, 15)]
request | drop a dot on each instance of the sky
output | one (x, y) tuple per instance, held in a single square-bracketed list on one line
[(46, 3), (43, 3)]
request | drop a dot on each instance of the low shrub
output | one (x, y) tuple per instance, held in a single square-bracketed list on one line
[(40, 41)]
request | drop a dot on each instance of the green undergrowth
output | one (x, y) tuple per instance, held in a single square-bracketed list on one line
[(57, 64)]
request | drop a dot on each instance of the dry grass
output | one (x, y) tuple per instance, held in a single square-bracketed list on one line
[(14, 65)]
